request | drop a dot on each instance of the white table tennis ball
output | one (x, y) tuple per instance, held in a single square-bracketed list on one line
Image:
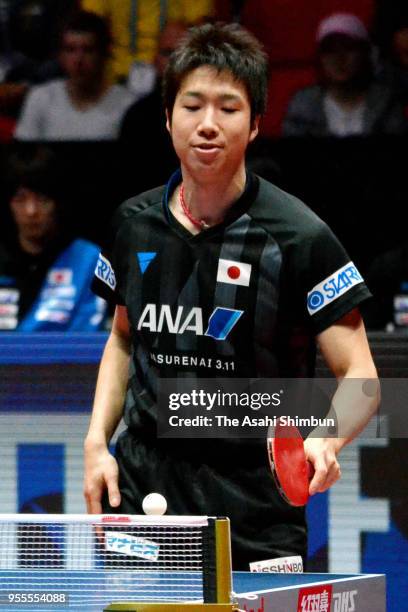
[(154, 503)]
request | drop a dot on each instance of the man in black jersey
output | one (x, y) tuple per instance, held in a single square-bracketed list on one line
[(222, 265)]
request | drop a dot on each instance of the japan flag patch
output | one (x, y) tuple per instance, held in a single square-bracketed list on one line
[(233, 272)]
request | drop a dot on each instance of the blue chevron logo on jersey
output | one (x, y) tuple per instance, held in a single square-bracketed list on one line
[(221, 322), (145, 259)]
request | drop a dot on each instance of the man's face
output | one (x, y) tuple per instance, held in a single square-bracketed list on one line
[(342, 58), (80, 57), (211, 123), (33, 213)]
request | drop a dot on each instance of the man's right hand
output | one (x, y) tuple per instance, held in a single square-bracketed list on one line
[(101, 472)]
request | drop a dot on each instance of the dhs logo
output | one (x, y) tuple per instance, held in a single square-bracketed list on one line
[(345, 601), (333, 287)]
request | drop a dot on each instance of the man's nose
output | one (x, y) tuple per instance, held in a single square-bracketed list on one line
[(78, 57), (31, 207), (208, 124)]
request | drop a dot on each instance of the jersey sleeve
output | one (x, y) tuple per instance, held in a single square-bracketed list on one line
[(108, 271), (329, 283)]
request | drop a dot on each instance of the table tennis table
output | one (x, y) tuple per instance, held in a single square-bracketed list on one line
[(254, 592)]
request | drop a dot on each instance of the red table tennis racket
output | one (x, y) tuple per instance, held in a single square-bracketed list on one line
[(290, 469)]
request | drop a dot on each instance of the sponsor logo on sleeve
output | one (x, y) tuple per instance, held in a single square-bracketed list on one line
[(105, 272), (333, 287), (233, 272)]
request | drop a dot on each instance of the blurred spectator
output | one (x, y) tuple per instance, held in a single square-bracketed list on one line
[(44, 272), (230, 10), (387, 278), (83, 106), (395, 69), (146, 119), (349, 100), (287, 29), (136, 27), (28, 29), (389, 17)]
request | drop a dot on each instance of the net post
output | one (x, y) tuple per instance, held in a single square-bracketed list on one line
[(223, 561)]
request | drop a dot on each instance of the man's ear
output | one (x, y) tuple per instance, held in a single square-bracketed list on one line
[(168, 121), (254, 128)]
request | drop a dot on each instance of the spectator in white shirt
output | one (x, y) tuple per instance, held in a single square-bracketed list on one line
[(82, 106)]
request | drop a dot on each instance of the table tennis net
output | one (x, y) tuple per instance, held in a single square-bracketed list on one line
[(145, 558)]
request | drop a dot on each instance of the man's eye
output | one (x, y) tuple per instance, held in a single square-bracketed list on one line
[(229, 110), (191, 108)]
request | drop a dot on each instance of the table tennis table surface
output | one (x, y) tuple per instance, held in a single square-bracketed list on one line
[(110, 586)]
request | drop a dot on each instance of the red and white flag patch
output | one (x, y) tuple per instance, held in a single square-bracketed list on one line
[(234, 272), (60, 276)]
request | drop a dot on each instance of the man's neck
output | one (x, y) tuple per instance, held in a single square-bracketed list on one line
[(35, 246), (207, 200), (347, 97), (30, 246), (86, 96)]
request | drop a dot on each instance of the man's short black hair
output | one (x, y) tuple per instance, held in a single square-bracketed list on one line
[(90, 23), (34, 167), (224, 47)]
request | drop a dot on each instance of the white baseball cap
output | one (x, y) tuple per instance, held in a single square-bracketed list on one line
[(342, 23)]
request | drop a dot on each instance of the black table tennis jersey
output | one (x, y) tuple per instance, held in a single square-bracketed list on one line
[(242, 299)]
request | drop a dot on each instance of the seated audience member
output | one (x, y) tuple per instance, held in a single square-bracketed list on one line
[(27, 48), (396, 63), (145, 120), (387, 278), (349, 100), (82, 106), (44, 272), (136, 28)]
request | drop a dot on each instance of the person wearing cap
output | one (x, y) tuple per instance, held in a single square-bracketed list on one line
[(348, 99)]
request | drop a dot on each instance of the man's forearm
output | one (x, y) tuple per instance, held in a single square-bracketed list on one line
[(110, 390), (354, 403)]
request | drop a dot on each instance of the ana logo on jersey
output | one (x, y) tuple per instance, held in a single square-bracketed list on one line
[(233, 272), (333, 287), (220, 322)]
